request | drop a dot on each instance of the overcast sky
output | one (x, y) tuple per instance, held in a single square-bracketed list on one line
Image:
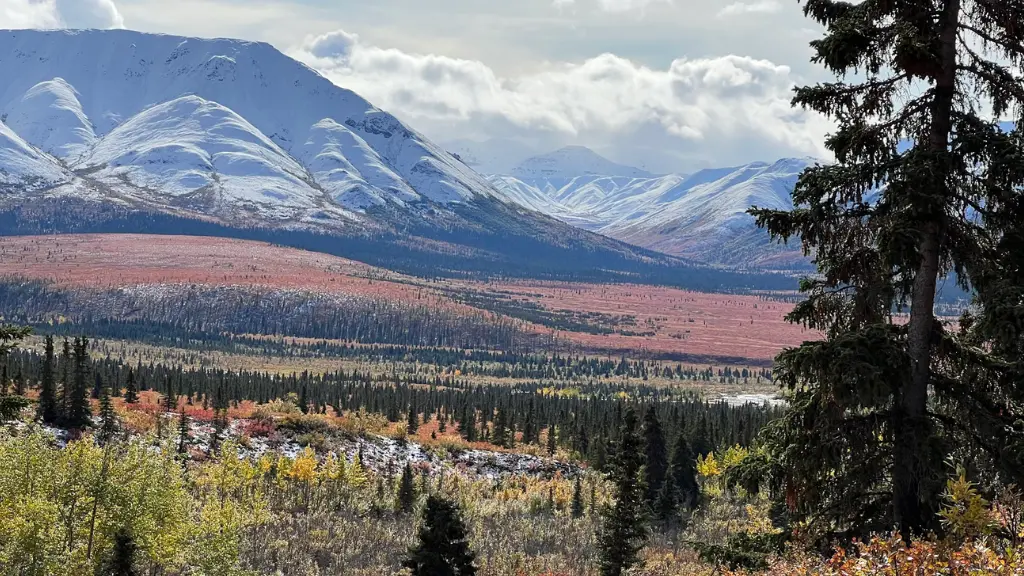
[(669, 85)]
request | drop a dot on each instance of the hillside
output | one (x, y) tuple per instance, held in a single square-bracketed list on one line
[(119, 131), (184, 284), (701, 217)]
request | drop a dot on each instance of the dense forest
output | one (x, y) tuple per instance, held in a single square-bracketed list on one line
[(238, 310), (586, 419)]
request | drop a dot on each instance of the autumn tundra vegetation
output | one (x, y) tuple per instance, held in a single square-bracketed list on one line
[(435, 441)]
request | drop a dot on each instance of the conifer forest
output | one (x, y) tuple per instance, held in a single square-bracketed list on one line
[(437, 421)]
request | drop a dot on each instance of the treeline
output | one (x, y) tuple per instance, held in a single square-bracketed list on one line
[(568, 320), (153, 310), (406, 359), (502, 415)]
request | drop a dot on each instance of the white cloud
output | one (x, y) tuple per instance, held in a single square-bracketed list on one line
[(59, 14), (89, 14), (710, 111), (757, 7), (28, 14), (628, 5), (614, 5)]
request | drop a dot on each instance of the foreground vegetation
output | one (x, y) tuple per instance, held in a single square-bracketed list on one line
[(148, 483)]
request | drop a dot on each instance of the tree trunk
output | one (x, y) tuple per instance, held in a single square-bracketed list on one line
[(911, 425)]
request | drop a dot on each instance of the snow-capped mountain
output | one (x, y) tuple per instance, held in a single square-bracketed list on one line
[(234, 127), (571, 162), (24, 167), (123, 131), (702, 216)]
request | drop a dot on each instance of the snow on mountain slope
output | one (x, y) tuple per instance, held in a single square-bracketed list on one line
[(23, 168), (197, 151), (705, 216), (702, 216), (65, 88), (570, 162), (333, 153), (50, 116)]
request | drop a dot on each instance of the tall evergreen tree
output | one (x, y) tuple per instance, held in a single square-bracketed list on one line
[(131, 391), (171, 398), (683, 473), (500, 434), (552, 440), (656, 465), (666, 506), (97, 386), (79, 413), (108, 418), (624, 527), (412, 421), (443, 547), (577, 498), (66, 383), (406, 490), (925, 183), (48, 410), (183, 435)]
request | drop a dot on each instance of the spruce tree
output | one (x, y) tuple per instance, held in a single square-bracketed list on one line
[(552, 440), (683, 473), (925, 183), (79, 413), (500, 434), (48, 410), (624, 527), (577, 499), (97, 386), (171, 398), (108, 418), (66, 384), (412, 421), (406, 490), (183, 435), (666, 506), (656, 465), (443, 547), (131, 391), (121, 561)]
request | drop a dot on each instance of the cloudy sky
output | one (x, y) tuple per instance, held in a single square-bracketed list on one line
[(669, 85)]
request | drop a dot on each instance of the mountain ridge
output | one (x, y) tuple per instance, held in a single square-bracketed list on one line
[(701, 216), (165, 134)]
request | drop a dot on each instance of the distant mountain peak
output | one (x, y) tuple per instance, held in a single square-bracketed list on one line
[(572, 162), (702, 216)]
